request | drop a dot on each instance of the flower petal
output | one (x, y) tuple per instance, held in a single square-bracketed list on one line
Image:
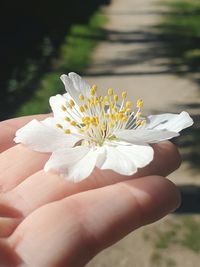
[(143, 136), (43, 136), (170, 122), (126, 159), (80, 84), (75, 163), (75, 86), (56, 103)]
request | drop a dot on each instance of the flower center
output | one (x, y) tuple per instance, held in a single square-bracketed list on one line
[(96, 118)]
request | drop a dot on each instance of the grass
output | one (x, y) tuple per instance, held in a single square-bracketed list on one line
[(180, 234), (180, 28), (191, 236), (180, 32), (74, 55)]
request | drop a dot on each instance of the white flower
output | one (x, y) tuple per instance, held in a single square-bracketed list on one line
[(88, 131)]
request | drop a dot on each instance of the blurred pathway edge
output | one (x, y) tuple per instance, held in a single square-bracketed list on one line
[(133, 58)]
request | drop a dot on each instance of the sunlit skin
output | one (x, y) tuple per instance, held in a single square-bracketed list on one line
[(49, 222)]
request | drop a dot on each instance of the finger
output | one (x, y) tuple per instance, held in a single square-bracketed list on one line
[(18, 163), (91, 221), (7, 256), (42, 188), (9, 128)]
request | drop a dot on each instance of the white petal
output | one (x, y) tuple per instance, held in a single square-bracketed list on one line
[(64, 158), (85, 166), (80, 84), (43, 136), (69, 87), (56, 102), (118, 162), (76, 163), (142, 136), (170, 122), (126, 159), (141, 155), (75, 86)]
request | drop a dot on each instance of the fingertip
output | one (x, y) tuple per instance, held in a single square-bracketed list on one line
[(156, 195), (166, 158)]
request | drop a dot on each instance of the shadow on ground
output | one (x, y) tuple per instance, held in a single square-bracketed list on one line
[(190, 200), (173, 48)]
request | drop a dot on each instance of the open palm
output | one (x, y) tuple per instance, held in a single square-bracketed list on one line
[(46, 221)]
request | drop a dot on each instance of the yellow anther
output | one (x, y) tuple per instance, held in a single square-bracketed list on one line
[(63, 108), (86, 107), (110, 91), (81, 109), (86, 119), (143, 122), (101, 98), (93, 120), (58, 125), (112, 117), (128, 104), (81, 97), (115, 97), (140, 103), (125, 119), (124, 94), (128, 110), (115, 109), (67, 119), (111, 105), (67, 131), (73, 123), (123, 110), (71, 103), (106, 99), (93, 90), (138, 122), (120, 116), (107, 116), (96, 100)]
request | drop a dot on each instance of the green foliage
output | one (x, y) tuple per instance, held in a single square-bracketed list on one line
[(181, 31), (75, 55), (191, 236)]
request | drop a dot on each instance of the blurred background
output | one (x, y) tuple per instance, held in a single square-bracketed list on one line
[(151, 49)]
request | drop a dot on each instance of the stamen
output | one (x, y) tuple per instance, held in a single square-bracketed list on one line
[(58, 125), (124, 94), (82, 109), (115, 97), (93, 90), (67, 131), (98, 118), (128, 104), (81, 97), (63, 108), (140, 103), (67, 119), (73, 123), (110, 91), (71, 103)]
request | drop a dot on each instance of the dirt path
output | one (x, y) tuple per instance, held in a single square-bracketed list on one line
[(132, 59)]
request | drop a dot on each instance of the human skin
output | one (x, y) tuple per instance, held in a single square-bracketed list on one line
[(46, 221)]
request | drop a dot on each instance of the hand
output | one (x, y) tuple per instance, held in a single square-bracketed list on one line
[(46, 221)]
